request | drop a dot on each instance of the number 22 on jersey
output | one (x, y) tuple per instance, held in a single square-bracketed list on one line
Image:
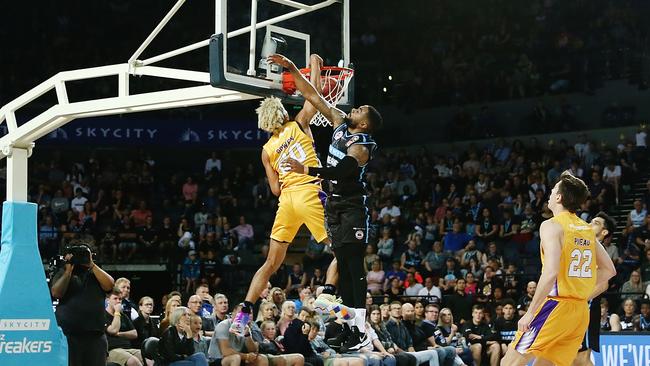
[(580, 265)]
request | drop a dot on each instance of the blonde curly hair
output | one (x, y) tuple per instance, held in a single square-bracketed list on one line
[(271, 115)]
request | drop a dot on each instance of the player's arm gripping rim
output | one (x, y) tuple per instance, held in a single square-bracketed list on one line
[(308, 110), (605, 271), (551, 242), (309, 92)]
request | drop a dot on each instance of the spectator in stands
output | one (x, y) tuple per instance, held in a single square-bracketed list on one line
[(191, 271), (277, 297), (430, 293), (139, 215), (287, 315), (634, 288), (461, 302), (317, 280), (148, 239), (220, 308), (434, 260), (128, 306), (127, 238), (303, 296), (171, 304), (201, 342), (212, 163), (486, 229), (274, 350), (375, 279), (412, 257), (230, 349), (391, 210), (636, 217), (78, 202), (370, 257), (447, 333), (598, 190), (455, 240), (194, 304), (48, 238), (413, 288), (642, 234), (505, 326), (481, 337), (395, 290), (176, 346), (524, 301), (144, 324), (207, 308), (297, 280), (605, 316), (120, 332), (244, 233), (643, 324), (624, 322), (267, 312), (385, 247), (59, 204), (190, 190)]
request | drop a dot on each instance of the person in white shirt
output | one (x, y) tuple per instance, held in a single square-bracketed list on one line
[(431, 291), (612, 175), (391, 210), (414, 287), (212, 163), (640, 138), (78, 201)]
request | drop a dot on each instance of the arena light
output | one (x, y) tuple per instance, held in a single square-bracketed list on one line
[(385, 90), (390, 77)]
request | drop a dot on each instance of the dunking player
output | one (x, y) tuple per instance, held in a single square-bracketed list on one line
[(346, 209), (301, 198), (603, 227), (574, 270)]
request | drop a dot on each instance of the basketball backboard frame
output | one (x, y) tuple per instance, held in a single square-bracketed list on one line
[(270, 83)]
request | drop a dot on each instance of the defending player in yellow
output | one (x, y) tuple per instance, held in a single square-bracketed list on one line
[(573, 272)]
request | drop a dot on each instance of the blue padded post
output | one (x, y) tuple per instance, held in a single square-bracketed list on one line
[(29, 334)]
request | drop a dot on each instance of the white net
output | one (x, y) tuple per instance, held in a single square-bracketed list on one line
[(334, 82)]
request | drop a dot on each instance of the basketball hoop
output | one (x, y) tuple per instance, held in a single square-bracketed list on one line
[(334, 82)]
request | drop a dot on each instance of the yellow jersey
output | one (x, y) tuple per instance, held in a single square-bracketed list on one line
[(576, 278), (292, 142)]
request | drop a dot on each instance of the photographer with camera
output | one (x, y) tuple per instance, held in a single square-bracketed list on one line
[(81, 287)]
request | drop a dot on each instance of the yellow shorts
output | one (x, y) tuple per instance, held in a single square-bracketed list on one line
[(297, 206), (556, 331)]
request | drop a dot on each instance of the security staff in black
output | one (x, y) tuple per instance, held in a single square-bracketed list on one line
[(346, 211)]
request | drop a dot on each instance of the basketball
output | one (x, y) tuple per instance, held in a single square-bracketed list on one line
[(330, 85)]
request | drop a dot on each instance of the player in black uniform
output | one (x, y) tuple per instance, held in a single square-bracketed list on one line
[(346, 210), (603, 227)]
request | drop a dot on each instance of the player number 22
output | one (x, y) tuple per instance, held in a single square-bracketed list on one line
[(580, 263)]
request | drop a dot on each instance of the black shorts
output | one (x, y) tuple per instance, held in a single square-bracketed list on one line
[(347, 220), (592, 337)]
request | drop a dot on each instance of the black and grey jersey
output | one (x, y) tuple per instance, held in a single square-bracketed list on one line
[(342, 139)]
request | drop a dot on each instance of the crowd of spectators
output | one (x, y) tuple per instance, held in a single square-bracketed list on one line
[(455, 235), (478, 51), (438, 222)]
